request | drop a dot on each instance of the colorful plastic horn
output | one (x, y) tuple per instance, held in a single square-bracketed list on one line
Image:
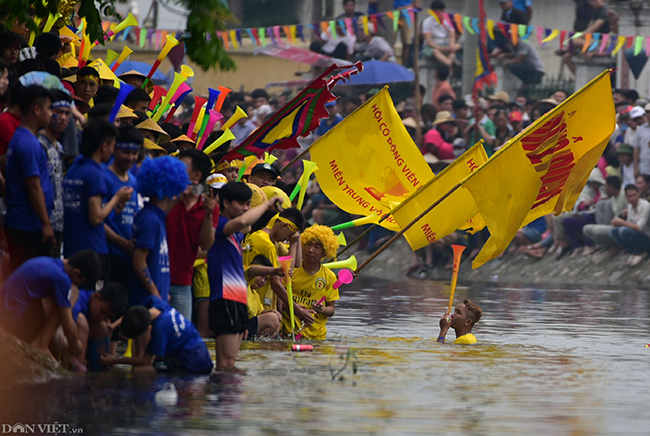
[(127, 22), (458, 252), (198, 105), (182, 92), (126, 52), (169, 44), (186, 71), (111, 55), (345, 278), (285, 263), (222, 97), (371, 219), (309, 168), (125, 90), (51, 19), (227, 136), (350, 263), (178, 79), (341, 239), (158, 92), (238, 115), (214, 116)]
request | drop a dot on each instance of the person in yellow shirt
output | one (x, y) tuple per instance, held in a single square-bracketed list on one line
[(462, 320), (282, 227), (313, 282), (261, 322)]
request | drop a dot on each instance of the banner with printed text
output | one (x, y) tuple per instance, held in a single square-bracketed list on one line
[(369, 162)]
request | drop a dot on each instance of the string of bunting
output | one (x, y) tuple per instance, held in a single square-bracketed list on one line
[(260, 36)]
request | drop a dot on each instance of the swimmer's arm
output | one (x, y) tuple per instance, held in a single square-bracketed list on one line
[(445, 323), (108, 360)]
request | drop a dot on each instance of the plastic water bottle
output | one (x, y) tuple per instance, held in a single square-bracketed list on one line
[(167, 396)]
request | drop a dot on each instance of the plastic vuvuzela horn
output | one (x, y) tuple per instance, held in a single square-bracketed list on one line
[(169, 44), (458, 252), (126, 52)]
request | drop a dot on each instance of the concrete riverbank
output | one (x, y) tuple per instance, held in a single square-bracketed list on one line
[(593, 270)]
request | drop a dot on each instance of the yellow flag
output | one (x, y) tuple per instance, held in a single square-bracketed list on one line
[(544, 170), (369, 160), (456, 211)]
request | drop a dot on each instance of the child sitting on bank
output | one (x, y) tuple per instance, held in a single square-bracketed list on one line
[(162, 331), (261, 322), (313, 281), (92, 313), (38, 297), (462, 320)]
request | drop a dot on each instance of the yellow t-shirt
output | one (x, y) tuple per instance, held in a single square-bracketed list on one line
[(466, 339), (307, 290), (253, 302), (255, 244), (200, 282)]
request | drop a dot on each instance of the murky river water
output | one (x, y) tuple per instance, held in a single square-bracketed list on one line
[(549, 362)]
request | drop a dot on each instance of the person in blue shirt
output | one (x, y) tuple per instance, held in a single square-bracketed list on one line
[(119, 223), (29, 193), (525, 6), (162, 180), (328, 123), (92, 313), (163, 332), (84, 190), (38, 297)]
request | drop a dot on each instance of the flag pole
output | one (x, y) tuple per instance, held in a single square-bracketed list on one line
[(408, 226)]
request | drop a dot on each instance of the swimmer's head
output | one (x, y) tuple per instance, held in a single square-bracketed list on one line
[(465, 315)]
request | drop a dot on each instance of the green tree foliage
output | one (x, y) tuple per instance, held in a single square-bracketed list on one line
[(206, 18)]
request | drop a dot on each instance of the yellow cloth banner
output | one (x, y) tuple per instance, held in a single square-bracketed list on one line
[(544, 170), (369, 161), (456, 211)]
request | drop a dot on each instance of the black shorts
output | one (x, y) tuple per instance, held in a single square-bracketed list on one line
[(194, 361), (252, 328), (227, 317)]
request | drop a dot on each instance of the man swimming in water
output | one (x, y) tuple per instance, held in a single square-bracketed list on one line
[(462, 320)]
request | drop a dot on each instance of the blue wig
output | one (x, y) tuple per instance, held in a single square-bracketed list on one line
[(162, 177)]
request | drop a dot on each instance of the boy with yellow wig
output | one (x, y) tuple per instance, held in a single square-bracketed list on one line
[(313, 281)]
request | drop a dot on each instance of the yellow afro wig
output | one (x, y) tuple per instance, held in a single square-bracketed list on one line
[(322, 234)]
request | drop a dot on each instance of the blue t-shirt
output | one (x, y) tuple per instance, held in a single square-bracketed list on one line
[(522, 4), (83, 180), (401, 3), (83, 304), (37, 278), (121, 224), (539, 224), (170, 332), (25, 158), (323, 128), (226, 266), (150, 234)]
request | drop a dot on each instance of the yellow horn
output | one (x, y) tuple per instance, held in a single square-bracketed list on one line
[(126, 52), (186, 71), (178, 79), (371, 219), (169, 44), (111, 55), (50, 22), (238, 115), (227, 136), (350, 263), (341, 239), (129, 21), (308, 168)]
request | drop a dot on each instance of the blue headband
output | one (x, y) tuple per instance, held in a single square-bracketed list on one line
[(128, 145), (61, 104)]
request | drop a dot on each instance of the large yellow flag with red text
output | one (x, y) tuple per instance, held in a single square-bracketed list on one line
[(457, 211), (543, 170), (368, 161)]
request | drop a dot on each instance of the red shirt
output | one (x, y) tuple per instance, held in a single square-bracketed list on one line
[(8, 125), (183, 230)]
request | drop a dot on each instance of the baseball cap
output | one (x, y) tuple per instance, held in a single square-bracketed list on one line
[(637, 112), (264, 167), (515, 116), (216, 180), (624, 149)]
